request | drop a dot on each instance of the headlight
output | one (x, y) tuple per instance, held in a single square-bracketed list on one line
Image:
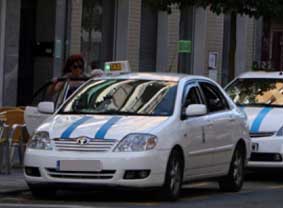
[(280, 132), (137, 143), (40, 140)]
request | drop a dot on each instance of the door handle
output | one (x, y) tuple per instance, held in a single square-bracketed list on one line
[(210, 124), (232, 119)]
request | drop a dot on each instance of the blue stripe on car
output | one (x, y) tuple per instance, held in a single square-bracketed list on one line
[(70, 129), (259, 118), (100, 134)]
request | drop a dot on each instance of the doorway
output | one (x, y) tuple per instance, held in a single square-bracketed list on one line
[(37, 31), (277, 50)]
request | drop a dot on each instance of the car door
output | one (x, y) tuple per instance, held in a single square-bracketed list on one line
[(33, 118), (221, 125), (196, 145)]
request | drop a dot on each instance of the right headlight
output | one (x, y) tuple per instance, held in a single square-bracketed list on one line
[(280, 132), (137, 143), (41, 141)]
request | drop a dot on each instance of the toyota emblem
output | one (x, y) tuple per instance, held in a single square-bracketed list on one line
[(83, 140)]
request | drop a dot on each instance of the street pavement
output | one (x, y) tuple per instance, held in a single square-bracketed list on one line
[(13, 183), (261, 190)]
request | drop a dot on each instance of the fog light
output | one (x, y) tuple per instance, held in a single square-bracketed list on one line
[(32, 171), (277, 157), (136, 174)]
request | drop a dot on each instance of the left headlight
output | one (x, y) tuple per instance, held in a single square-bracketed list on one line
[(41, 141), (137, 143)]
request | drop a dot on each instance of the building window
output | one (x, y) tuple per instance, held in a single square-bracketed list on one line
[(97, 31), (148, 38)]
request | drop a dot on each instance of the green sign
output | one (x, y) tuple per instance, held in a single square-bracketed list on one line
[(184, 46), (107, 68)]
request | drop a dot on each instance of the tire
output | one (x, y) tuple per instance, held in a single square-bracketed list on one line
[(42, 192), (173, 177), (233, 182)]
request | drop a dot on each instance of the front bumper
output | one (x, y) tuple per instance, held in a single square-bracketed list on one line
[(267, 152), (114, 165)]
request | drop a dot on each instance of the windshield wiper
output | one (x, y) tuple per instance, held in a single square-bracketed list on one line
[(115, 112)]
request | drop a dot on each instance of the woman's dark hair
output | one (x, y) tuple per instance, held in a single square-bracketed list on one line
[(71, 60)]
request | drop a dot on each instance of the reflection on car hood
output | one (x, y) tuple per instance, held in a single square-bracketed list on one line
[(264, 119), (99, 126)]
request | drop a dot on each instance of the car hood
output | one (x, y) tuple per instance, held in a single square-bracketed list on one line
[(99, 127), (264, 119)]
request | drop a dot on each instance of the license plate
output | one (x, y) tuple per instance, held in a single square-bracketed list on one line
[(79, 165), (255, 147)]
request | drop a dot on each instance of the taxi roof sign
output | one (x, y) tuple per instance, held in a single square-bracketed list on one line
[(116, 67)]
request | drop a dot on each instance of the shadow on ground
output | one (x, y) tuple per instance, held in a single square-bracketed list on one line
[(265, 175), (193, 192)]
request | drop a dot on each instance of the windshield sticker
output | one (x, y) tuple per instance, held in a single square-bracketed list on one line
[(100, 134), (66, 134), (259, 118)]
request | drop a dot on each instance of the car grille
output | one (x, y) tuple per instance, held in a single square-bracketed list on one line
[(97, 145), (261, 134), (104, 174), (266, 157)]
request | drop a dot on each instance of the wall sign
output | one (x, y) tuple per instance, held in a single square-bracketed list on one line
[(184, 46), (212, 60)]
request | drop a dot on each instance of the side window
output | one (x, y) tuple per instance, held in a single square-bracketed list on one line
[(49, 92), (214, 99), (192, 97), (40, 94)]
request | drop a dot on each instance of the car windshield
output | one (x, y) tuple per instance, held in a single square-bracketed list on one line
[(257, 92), (123, 97)]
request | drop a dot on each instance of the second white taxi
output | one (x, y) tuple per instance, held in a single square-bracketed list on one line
[(260, 96), (140, 130)]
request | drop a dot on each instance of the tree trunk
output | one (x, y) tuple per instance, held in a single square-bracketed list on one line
[(233, 44)]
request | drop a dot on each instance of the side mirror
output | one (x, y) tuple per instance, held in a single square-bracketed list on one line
[(46, 107), (196, 110)]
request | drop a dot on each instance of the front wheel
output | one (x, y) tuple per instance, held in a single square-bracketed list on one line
[(173, 177), (233, 182)]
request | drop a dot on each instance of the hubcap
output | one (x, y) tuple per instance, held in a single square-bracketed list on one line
[(175, 176), (238, 168)]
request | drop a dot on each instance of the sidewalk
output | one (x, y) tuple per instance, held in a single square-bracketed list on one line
[(13, 183)]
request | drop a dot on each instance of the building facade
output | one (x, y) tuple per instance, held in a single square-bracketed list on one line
[(272, 44), (37, 35)]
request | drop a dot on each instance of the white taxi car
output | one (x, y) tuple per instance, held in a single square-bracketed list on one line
[(140, 130), (260, 95)]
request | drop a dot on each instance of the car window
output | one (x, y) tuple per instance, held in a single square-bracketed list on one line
[(70, 87), (40, 94), (117, 96), (192, 97), (257, 92), (48, 92), (213, 97)]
